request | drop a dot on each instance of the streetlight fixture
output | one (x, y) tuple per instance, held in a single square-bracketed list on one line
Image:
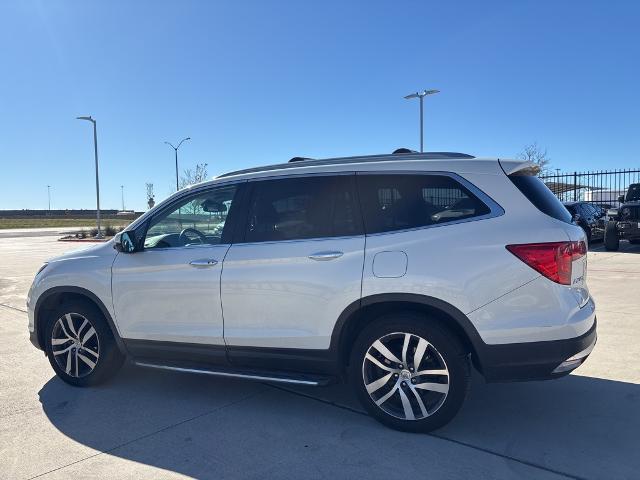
[(421, 96), (95, 150), (176, 150), (122, 192)]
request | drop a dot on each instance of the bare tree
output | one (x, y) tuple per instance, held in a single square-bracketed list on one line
[(193, 176), (533, 153), (150, 200)]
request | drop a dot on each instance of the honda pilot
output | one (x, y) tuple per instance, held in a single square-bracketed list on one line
[(396, 273)]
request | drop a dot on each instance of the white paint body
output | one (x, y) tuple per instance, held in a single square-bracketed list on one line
[(272, 294)]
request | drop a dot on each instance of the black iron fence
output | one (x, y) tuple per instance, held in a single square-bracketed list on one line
[(602, 187)]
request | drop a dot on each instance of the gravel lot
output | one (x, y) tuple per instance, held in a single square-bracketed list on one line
[(151, 424)]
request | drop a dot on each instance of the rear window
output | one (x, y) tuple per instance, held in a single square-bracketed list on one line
[(541, 197)]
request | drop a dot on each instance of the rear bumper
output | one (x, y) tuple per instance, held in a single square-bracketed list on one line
[(536, 360)]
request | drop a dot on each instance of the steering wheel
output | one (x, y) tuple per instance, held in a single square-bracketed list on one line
[(185, 240)]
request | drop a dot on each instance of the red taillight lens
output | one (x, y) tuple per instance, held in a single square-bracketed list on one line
[(553, 260)]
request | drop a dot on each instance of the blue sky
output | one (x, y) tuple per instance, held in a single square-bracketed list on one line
[(257, 82)]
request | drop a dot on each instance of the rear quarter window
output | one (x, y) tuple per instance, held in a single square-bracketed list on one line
[(540, 196), (398, 202)]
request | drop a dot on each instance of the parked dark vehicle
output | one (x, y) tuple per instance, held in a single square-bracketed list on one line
[(625, 221), (590, 217)]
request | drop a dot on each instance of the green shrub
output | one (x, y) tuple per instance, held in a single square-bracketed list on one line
[(109, 230)]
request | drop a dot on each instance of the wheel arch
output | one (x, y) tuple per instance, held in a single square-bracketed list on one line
[(55, 296), (360, 313)]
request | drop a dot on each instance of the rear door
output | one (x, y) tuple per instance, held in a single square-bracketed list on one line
[(296, 266)]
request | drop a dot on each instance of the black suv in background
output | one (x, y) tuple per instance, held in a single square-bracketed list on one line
[(625, 221), (590, 217)]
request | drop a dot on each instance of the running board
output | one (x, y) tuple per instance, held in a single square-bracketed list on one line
[(309, 380)]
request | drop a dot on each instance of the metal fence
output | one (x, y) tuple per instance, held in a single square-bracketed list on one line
[(602, 187)]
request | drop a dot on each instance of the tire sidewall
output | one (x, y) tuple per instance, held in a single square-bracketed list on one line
[(110, 357), (447, 345), (611, 239)]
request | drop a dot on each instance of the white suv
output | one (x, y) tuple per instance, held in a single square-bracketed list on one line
[(398, 272)]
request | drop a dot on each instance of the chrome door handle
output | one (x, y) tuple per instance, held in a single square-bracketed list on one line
[(203, 262), (324, 256)]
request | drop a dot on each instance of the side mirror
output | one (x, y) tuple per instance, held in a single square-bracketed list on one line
[(124, 243), (621, 198)]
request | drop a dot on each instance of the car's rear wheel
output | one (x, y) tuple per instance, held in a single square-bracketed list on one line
[(80, 345), (611, 239), (409, 373)]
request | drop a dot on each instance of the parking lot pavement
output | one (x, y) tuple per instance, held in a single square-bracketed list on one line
[(151, 424)]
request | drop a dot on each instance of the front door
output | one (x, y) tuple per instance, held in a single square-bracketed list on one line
[(170, 291)]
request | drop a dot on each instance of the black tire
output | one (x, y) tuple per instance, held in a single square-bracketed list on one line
[(99, 345), (587, 232), (635, 242), (611, 239), (442, 343)]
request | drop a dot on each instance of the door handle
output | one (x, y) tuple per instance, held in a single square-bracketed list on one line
[(324, 256), (203, 262)]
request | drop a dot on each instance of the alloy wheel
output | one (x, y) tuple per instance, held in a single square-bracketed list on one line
[(75, 345), (405, 376)]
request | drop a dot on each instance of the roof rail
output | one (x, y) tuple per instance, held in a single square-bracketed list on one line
[(300, 159), (346, 160), (403, 150)]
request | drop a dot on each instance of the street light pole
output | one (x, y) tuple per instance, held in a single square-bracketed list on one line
[(95, 151), (122, 191), (49, 197), (176, 152), (421, 95)]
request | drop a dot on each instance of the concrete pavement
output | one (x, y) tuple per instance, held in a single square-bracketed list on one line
[(152, 424)]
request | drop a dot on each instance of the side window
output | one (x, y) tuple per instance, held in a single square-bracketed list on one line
[(298, 208), (397, 202), (198, 219)]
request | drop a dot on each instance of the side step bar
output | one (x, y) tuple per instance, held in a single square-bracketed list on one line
[(308, 380)]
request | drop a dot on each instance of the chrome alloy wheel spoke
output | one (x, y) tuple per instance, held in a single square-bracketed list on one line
[(75, 345), (377, 384), (90, 333), (395, 382), (433, 387), (386, 352)]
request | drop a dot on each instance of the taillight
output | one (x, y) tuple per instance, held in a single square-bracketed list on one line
[(553, 260)]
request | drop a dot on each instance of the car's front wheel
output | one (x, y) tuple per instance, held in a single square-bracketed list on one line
[(80, 345), (409, 373)]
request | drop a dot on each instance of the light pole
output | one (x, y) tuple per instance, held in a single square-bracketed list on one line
[(95, 150), (421, 96), (49, 197), (176, 150), (122, 192)]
